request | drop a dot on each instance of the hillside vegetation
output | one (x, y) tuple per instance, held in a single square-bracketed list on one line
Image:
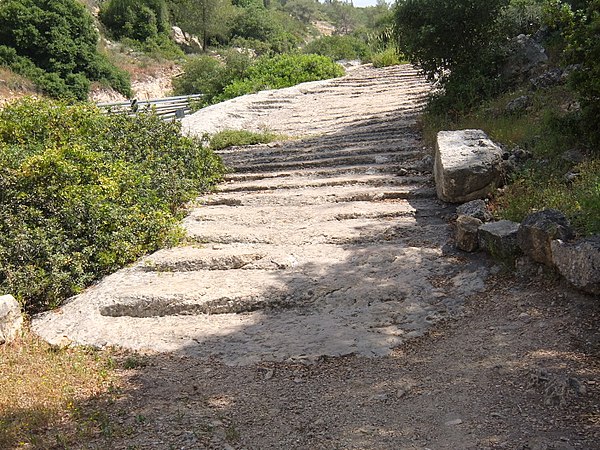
[(545, 115)]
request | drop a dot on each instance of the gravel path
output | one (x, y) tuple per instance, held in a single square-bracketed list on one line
[(320, 303)]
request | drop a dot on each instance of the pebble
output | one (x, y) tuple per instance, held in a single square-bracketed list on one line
[(451, 423)]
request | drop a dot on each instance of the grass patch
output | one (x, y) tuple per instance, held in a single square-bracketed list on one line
[(230, 138), (387, 57), (45, 400), (547, 130)]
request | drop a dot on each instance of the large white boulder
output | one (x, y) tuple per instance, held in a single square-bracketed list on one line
[(11, 320), (468, 165)]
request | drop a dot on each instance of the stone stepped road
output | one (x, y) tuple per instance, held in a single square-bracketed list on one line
[(332, 243)]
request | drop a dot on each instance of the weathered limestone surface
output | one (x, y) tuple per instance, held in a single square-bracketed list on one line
[(11, 319), (467, 236), (316, 246), (468, 165), (579, 262), (538, 230), (500, 239), (475, 208)]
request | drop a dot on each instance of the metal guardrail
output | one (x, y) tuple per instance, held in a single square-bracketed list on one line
[(168, 108)]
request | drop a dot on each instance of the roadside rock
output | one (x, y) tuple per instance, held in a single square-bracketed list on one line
[(468, 165), (189, 44), (499, 239), (11, 319), (579, 262), (475, 208), (548, 79), (538, 230), (466, 233), (518, 104), (525, 56)]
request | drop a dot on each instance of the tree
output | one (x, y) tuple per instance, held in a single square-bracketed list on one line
[(58, 38), (456, 42), (207, 19), (135, 19)]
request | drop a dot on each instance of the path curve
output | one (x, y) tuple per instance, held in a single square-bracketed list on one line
[(332, 244)]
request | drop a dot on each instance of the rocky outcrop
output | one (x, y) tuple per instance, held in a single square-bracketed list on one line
[(579, 262), (526, 55), (538, 230), (11, 319), (468, 165), (189, 43), (500, 239)]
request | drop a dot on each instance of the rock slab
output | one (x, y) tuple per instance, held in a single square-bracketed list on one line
[(11, 320), (468, 165), (538, 230), (579, 262), (499, 239), (467, 236)]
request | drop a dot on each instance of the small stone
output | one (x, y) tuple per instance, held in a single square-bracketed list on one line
[(269, 374), (518, 104), (402, 172), (467, 233), (475, 208), (400, 393), (454, 422), (380, 397)]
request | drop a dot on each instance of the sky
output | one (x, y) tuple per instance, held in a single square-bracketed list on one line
[(361, 3)]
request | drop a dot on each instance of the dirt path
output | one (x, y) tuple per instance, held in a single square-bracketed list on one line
[(321, 304)]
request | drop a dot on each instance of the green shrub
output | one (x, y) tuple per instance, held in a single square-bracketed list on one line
[(339, 47), (209, 76), (54, 44), (281, 71), (140, 20), (387, 57), (584, 49), (535, 189), (82, 193), (265, 25)]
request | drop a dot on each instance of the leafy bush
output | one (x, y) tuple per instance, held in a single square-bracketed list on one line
[(54, 43), (533, 190), (257, 23), (82, 193), (338, 47), (239, 75), (281, 71), (209, 76), (140, 20), (385, 58), (584, 49)]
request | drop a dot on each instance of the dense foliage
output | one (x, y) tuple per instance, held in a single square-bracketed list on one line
[(584, 49), (53, 42), (455, 42), (339, 47), (83, 193), (239, 75)]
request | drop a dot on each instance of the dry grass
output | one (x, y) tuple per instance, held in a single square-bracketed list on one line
[(47, 394), (13, 86)]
